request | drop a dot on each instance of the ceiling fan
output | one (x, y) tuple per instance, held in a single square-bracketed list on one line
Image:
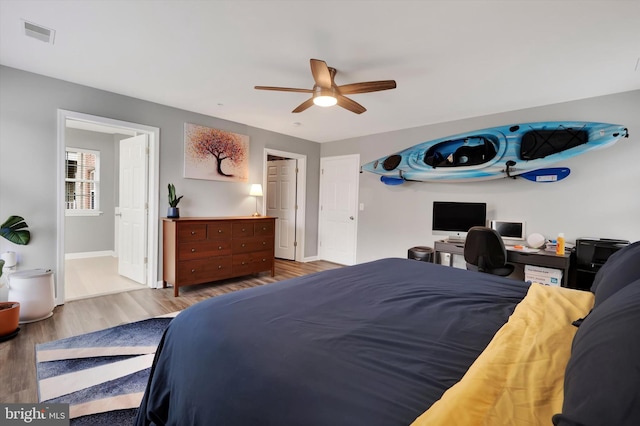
[(326, 93)]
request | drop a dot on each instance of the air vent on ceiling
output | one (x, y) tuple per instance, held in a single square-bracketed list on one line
[(39, 32)]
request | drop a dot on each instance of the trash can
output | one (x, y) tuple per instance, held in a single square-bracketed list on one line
[(34, 290), (422, 253)]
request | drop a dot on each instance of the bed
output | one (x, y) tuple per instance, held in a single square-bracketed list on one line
[(403, 342)]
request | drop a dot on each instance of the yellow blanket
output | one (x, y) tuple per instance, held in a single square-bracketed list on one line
[(518, 378)]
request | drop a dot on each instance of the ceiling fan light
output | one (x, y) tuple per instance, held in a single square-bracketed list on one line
[(325, 101)]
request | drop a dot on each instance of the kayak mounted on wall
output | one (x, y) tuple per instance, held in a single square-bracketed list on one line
[(520, 150)]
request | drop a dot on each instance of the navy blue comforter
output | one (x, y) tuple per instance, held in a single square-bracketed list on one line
[(371, 344)]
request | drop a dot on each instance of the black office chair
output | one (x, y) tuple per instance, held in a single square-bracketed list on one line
[(484, 251)]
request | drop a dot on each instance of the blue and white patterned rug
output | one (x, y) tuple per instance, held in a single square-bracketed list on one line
[(101, 375)]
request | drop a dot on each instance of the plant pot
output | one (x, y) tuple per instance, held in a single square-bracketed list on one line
[(173, 212), (9, 317)]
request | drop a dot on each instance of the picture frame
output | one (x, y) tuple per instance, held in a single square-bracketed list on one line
[(215, 154)]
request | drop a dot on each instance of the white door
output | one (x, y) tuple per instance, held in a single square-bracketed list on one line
[(339, 208), (132, 238), (281, 203)]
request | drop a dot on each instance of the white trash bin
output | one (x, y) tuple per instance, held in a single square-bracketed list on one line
[(34, 290)]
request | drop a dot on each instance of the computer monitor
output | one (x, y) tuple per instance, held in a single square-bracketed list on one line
[(454, 219), (509, 230)]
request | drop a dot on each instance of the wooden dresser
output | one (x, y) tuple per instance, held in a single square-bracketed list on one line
[(199, 250)]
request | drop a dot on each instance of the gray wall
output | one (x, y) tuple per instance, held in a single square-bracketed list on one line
[(94, 233), (28, 145), (600, 198)]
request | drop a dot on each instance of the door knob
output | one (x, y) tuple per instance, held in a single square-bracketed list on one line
[(351, 217)]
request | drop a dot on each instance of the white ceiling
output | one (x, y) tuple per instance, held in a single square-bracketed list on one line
[(451, 59)]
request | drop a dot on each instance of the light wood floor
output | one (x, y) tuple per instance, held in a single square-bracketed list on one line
[(94, 276), (17, 356)]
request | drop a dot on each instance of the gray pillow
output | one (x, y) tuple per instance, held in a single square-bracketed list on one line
[(622, 268), (602, 378)]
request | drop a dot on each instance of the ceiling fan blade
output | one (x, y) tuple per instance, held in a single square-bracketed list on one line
[(351, 105), (283, 89), (306, 104), (321, 74), (366, 87)]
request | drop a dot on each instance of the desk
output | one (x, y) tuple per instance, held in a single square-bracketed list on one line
[(541, 258)]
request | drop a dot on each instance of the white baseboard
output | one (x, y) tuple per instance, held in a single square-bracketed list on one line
[(310, 259), (88, 254)]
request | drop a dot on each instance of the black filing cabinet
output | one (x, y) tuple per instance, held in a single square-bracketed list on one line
[(591, 254)]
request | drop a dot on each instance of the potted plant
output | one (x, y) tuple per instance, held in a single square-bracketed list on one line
[(173, 211), (9, 316), (14, 230)]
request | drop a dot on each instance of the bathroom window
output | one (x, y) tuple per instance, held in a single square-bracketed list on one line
[(82, 182)]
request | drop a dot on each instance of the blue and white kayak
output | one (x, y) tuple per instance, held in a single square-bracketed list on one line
[(498, 152)]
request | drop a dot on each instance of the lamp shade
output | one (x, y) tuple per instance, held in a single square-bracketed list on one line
[(256, 190)]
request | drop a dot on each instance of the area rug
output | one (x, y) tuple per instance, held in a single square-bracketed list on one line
[(101, 375)]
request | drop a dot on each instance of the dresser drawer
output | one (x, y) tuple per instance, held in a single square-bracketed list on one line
[(218, 230), (204, 270), (203, 249), (192, 232), (264, 228), (243, 228), (252, 262), (246, 245)]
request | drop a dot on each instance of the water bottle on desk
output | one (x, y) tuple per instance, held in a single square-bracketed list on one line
[(560, 245)]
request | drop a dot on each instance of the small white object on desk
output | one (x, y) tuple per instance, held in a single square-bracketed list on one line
[(535, 240)]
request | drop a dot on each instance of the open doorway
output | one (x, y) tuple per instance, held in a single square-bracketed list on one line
[(284, 181), (97, 158)]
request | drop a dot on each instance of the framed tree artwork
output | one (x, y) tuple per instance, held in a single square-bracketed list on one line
[(215, 154)]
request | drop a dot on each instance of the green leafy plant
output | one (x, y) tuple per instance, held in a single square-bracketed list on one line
[(14, 230), (173, 201)]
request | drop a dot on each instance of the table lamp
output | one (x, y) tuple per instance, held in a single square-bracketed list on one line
[(256, 191)]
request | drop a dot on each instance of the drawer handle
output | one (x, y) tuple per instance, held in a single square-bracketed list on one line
[(193, 232), (243, 263), (243, 229), (219, 247), (243, 244), (264, 228), (219, 266), (193, 250), (264, 243), (193, 270), (219, 231), (264, 260)]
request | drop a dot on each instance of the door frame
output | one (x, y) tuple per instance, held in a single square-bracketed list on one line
[(301, 194), (152, 193)]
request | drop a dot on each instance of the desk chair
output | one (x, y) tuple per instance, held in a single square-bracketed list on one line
[(484, 251)]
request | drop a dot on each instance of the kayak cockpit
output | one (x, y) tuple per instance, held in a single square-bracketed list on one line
[(470, 151), (540, 143)]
